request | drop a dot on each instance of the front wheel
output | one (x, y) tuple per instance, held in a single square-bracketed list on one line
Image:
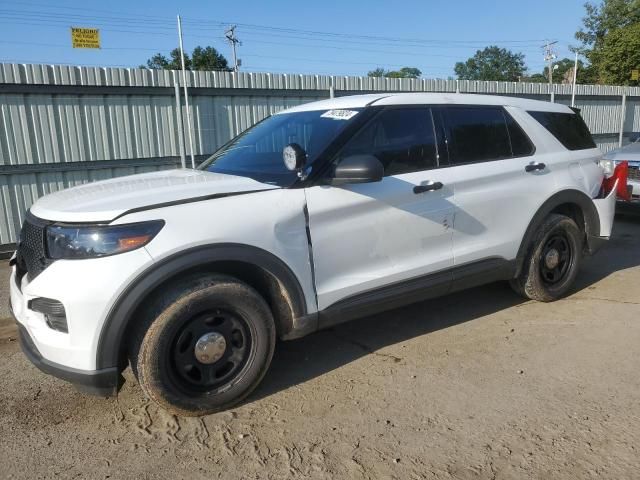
[(552, 262), (208, 343)]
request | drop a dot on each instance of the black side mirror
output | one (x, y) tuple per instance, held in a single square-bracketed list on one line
[(358, 169)]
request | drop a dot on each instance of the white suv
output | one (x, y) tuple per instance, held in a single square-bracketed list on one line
[(316, 215)]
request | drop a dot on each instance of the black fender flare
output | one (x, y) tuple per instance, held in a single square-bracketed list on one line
[(110, 344), (576, 197)]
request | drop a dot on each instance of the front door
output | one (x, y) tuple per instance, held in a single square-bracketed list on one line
[(373, 235)]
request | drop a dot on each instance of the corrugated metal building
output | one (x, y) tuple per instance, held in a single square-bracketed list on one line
[(63, 126)]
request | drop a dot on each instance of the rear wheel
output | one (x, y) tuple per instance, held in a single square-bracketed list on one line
[(552, 262), (206, 346)]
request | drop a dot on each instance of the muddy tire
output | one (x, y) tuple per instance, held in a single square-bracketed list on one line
[(552, 261), (206, 344)]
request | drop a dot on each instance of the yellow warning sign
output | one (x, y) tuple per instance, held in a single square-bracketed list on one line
[(635, 74), (85, 37)]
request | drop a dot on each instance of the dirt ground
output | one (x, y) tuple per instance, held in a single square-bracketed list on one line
[(479, 384)]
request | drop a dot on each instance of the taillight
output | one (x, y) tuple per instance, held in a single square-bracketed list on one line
[(619, 176)]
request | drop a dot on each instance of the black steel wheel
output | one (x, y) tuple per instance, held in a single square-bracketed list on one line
[(556, 258), (206, 344), (553, 260), (210, 350)]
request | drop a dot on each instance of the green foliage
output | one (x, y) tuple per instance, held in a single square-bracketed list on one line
[(404, 72), (208, 59), (604, 18), (202, 59), (378, 72), (536, 78), (492, 63), (606, 25), (564, 73), (620, 54)]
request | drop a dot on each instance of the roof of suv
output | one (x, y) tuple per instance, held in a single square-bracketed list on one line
[(378, 99)]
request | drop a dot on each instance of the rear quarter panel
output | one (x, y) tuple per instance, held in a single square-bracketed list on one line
[(565, 170), (577, 169)]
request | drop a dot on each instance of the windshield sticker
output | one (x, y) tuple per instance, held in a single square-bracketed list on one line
[(339, 114)]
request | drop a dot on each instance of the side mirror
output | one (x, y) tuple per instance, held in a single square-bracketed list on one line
[(358, 169)]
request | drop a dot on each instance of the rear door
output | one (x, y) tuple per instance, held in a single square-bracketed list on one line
[(373, 235), (499, 182)]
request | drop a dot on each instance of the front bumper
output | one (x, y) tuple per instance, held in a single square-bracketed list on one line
[(103, 383), (86, 289)]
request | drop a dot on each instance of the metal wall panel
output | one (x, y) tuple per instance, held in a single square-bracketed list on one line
[(19, 191), (52, 116)]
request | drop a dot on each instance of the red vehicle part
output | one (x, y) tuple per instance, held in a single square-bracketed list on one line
[(620, 176)]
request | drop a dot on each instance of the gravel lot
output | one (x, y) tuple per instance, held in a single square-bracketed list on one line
[(479, 384)]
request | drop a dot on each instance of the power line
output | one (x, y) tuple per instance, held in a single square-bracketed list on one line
[(306, 45), (206, 24), (369, 37), (115, 30), (76, 8), (373, 42), (58, 45), (55, 16)]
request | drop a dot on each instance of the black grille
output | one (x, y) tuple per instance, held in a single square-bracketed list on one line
[(634, 173), (31, 256)]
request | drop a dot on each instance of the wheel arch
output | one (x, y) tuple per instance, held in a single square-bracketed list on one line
[(572, 203), (261, 269)]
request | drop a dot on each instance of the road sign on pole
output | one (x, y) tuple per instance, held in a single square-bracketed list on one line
[(85, 37)]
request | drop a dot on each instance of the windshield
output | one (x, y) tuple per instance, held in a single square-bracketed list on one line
[(257, 152)]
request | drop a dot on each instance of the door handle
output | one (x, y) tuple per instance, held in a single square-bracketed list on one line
[(534, 166), (427, 188)]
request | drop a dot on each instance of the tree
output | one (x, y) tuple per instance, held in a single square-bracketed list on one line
[(492, 63), (620, 54), (378, 72), (602, 19), (563, 70), (564, 73), (536, 78), (404, 72), (600, 22), (206, 58), (160, 62)]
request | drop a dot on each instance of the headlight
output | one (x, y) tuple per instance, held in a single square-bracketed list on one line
[(67, 241), (608, 166)]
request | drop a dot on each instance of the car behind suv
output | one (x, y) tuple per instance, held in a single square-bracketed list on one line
[(630, 154), (316, 215)]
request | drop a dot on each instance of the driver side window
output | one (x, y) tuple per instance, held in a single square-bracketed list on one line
[(402, 139)]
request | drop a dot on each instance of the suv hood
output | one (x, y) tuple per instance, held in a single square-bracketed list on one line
[(105, 200)]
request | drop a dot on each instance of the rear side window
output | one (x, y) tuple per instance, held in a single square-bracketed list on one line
[(568, 128), (477, 134), (521, 146)]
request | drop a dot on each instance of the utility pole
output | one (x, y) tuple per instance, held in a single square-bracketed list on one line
[(186, 93), (233, 41), (575, 77), (550, 56)]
